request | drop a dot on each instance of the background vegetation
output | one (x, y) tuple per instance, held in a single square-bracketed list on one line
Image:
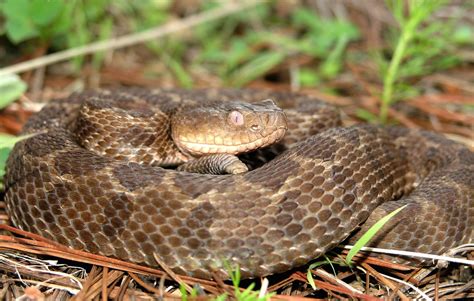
[(261, 42), (398, 61)]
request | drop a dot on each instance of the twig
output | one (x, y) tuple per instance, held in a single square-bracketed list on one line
[(104, 283), (415, 254), (334, 280), (384, 281), (145, 285), (131, 39), (172, 274)]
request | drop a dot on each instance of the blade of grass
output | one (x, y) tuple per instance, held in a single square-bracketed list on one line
[(418, 11), (259, 65), (370, 233)]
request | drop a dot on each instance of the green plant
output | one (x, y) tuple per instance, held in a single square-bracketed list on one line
[(367, 236), (66, 24), (27, 19), (325, 39), (240, 58), (309, 275), (184, 294), (11, 87), (418, 11), (360, 243), (6, 144), (231, 48), (247, 294)]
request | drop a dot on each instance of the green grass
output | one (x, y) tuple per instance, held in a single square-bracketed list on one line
[(418, 11), (59, 25), (360, 243), (235, 58), (247, 294), (245, 46), (309, 274), (371, 232)]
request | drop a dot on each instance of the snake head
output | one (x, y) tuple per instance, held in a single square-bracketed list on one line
[(228, 127)]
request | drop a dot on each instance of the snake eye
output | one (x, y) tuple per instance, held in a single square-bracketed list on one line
[(236, 118)]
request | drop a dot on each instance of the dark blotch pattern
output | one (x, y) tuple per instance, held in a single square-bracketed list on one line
[(321, 186), (133, 175), (84, 162)]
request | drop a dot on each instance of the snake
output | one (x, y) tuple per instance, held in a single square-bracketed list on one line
[(97, 172)]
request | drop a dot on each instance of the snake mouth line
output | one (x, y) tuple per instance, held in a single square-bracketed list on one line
[(209, 148)]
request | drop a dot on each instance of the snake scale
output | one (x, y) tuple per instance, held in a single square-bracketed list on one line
[(117, 202)]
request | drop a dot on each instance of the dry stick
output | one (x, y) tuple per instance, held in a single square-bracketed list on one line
[(367, 282), (280, 284), (161, 287), (87, 284), (131, 39), (406, 278), (436, 292), (385, 281), (44, 278), (104, 283), (221, 284), (112, 285), (88, 258), (399, 284), (123, 288), (95, 289), (82, 256), (330, 288), (172, 274), (328, 277), (145, 285)]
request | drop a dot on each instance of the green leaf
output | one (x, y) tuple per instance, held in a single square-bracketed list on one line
[(238, 52), (366, 115), (63, 23), (308, 77), (259, 65), (222, 297), (4, 152), (178, 70), (43, 13), (309, 275), (8, 141), (15, 8), (361, 242), (19, 30), (11, 87), (332, 64), (106, 28), (18, 25), (307, 19), (464, 35), (184, 293)]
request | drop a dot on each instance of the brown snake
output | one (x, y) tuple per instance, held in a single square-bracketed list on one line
[(114, 200)]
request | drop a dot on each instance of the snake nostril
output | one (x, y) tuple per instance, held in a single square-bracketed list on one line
[(254, 127)]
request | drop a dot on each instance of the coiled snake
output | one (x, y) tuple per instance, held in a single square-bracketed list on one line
[(89, 179)]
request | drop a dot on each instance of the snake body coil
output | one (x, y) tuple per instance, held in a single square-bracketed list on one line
[(275, 217)]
